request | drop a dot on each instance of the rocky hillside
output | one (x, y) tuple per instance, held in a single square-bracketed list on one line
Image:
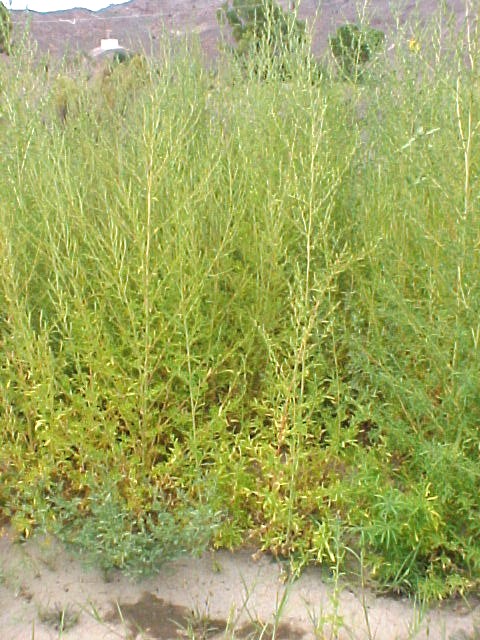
[(138, 23)]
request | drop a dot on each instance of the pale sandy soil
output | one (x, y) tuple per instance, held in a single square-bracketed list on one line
[(39, 580)]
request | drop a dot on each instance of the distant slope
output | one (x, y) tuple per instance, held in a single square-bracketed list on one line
[(139, 23)]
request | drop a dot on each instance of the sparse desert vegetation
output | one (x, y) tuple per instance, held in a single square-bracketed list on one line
[(245, 307)]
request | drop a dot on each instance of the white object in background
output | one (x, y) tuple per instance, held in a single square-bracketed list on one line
[(107, 44)]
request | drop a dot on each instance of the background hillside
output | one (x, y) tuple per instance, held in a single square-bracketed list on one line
[(138, 24)]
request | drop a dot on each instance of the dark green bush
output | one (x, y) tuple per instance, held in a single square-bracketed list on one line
[(262, 29), (354, 46), (5, 29)]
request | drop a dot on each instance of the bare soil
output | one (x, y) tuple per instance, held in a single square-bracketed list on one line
[(47, 593)]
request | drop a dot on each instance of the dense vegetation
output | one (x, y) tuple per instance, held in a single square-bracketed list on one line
[(5, 29), (235, 310), (262, 25)]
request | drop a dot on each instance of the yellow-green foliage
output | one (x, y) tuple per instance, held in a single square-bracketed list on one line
[(246, 310), (117, 83), (66, 95)]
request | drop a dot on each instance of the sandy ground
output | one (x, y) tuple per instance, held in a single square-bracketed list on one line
[(41, 584)]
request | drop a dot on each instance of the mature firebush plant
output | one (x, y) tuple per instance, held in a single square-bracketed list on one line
[(237, 310)]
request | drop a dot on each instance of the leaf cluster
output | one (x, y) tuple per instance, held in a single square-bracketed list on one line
[(353, 46)]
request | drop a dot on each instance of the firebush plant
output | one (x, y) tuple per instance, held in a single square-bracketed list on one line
[(238, 310)]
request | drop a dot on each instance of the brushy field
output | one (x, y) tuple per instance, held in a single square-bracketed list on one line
[(239, 310)]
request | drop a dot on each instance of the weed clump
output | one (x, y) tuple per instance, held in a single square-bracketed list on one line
[(110, 534), (225, 319)]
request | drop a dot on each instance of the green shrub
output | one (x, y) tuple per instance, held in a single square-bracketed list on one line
[(5, 29), (263, 31), (112, 535), (353, 47)]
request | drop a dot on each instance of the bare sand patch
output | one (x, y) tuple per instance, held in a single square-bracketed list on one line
[(47, 593)]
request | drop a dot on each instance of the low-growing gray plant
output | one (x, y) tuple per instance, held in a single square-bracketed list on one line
[(110, 536)]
